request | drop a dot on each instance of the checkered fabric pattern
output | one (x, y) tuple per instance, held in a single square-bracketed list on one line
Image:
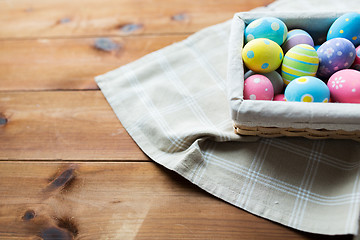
[(173, 103)]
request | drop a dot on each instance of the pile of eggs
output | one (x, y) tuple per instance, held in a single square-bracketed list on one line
[(287, 66)]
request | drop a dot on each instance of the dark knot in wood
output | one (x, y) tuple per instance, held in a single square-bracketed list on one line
[(106, 44), (130, 27), (52, 233), (180, 17), (3, 119), (64, 180), (29, 214), (68, 224), (64, 20)]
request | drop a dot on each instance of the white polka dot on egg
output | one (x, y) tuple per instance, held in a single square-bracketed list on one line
[(275, 26), (250, 37), (256, 80)]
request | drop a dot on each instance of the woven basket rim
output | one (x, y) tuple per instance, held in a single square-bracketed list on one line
[(271, 132)]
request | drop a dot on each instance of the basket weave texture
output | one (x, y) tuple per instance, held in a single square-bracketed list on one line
[(295, 132)]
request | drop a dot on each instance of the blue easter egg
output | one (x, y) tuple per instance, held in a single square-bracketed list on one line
[(346, 26), (266, 27), (307, 89), (334, 55)]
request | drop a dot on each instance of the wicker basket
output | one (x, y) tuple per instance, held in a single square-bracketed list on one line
[(276, 118), (270, 132)]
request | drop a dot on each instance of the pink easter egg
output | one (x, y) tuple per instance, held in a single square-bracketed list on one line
[(344, 86), (279, 97), (258, 87), (356, 64)]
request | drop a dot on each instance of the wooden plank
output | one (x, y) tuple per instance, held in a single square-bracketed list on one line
[(77, 125), (47, 64), (119, 201), (42, 18)]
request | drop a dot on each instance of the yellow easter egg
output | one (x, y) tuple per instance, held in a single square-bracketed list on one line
[(301, 60), (262, 55)]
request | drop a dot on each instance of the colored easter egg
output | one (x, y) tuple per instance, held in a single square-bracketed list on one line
[(295, 37), (258, 87), (344, 86), (301, 60), (279, 97), (346, 26), (307, 89), (334, 55), (262, 55), (266, 27), (274, 77), (356, 63)]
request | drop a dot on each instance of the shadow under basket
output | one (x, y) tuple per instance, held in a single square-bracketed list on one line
[(279, 118)]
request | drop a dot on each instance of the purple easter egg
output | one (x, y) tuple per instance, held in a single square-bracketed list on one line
[(295, 37), (334, 55)]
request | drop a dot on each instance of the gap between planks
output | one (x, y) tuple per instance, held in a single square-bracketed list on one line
[(123, 17), (75, 161), (44, 65), (114, 36)]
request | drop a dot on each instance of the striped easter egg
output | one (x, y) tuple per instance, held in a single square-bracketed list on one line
[(301, 60)]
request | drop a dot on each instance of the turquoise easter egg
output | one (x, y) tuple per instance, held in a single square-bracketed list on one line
[(307, 89), (266, 27), (301, 60), (346, 26)]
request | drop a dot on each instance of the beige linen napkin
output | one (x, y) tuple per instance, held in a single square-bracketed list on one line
[(173, 103)]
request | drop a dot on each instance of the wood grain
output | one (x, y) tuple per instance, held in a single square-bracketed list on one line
[(48, 64), (68, 18), (119, 201), (62, 125)]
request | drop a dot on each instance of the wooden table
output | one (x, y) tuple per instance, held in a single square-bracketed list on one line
[(68, 169)]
